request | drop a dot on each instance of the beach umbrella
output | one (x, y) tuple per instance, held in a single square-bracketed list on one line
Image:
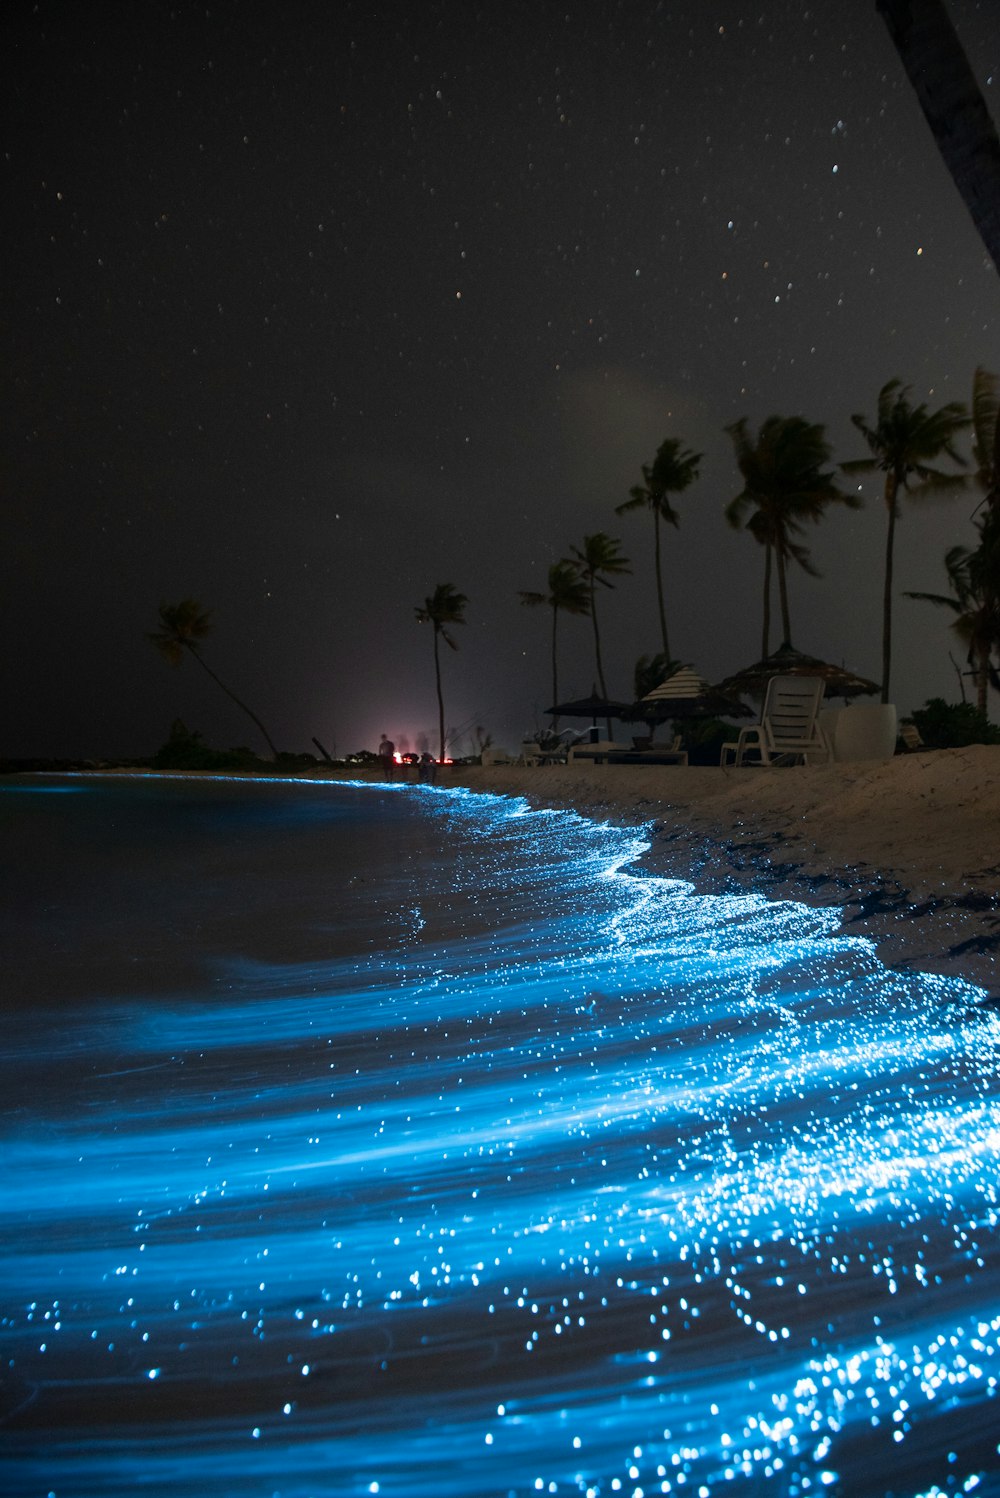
[(787, 661), (592, 707), (685, 694)]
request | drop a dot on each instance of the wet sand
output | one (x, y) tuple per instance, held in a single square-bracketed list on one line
[(909, 849)]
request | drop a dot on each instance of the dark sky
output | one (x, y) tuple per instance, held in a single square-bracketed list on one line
[(312, 306)]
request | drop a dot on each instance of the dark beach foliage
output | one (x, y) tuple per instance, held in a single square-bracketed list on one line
[(703, 738), (953, 725), (185, 749), (182, 627)]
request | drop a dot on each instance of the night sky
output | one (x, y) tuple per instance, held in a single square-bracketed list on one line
[(310, 307)]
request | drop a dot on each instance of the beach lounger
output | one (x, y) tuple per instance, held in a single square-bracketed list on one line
[(591, 750), (789, 728), (492, 756)]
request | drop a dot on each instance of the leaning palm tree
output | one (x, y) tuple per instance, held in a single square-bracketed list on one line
[(953, 106), (986, 458), (977, 617), (974, 573), (784, 485), (671, 472), (905, 440), (984, 560), (182, 625), (986, 434), (598, 559), (568, 592), (444, 606)]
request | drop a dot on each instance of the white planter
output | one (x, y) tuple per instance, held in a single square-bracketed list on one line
[(865, 730), (828, 722)]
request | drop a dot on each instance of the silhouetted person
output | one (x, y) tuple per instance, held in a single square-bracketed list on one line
[(387, 754), (427, 768)]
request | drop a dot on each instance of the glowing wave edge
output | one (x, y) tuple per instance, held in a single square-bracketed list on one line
[(572, 1181)]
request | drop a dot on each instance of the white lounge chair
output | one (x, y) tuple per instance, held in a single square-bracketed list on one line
[(912, 740), (789, 727), (590, 749)]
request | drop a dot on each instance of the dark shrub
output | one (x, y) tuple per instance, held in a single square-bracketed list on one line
[(186, 750), (952, 725), (703, 738)]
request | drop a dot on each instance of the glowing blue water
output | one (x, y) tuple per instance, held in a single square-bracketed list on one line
[(369, 1140)]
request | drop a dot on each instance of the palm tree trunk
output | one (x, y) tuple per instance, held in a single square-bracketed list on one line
[(891, 488), (659, 583), (786, 623), (766, 633), (555, 670), (597, 639), (597, 650), (437, 678), (982, 682), (953, 107), (233, 698)]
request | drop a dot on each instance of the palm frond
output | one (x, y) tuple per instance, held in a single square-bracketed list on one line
[(444, 606), (600, 554), (941, 599)]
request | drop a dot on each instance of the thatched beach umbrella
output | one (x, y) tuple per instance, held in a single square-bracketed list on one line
[(685, 694), (787, 661)]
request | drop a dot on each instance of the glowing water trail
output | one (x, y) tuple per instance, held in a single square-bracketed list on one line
[(570, 1182)]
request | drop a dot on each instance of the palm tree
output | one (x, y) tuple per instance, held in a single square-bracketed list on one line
[(785, 484), (650, 671), (953, 107), (984, 561), (182, 625), (598, 559), (671, 472), (986, 434), (569, 592), (444, 606), (905, 440), (986, 457), (977, 617), (975, 574)]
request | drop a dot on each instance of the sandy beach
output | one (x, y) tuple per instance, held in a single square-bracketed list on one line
[(908, 849)]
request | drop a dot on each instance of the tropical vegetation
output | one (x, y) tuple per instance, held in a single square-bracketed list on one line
[(976, 618), (182, 626), (974, 572), (650, 671), (789, 482), (953, 725), (785, 484), (597, 561), (568, 593), (905, 442), (444, 607), (672, 471)]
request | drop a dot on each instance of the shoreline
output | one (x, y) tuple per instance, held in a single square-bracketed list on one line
[(908, 850)]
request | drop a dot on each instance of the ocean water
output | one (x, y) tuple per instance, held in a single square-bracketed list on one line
[(391, 1140)]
